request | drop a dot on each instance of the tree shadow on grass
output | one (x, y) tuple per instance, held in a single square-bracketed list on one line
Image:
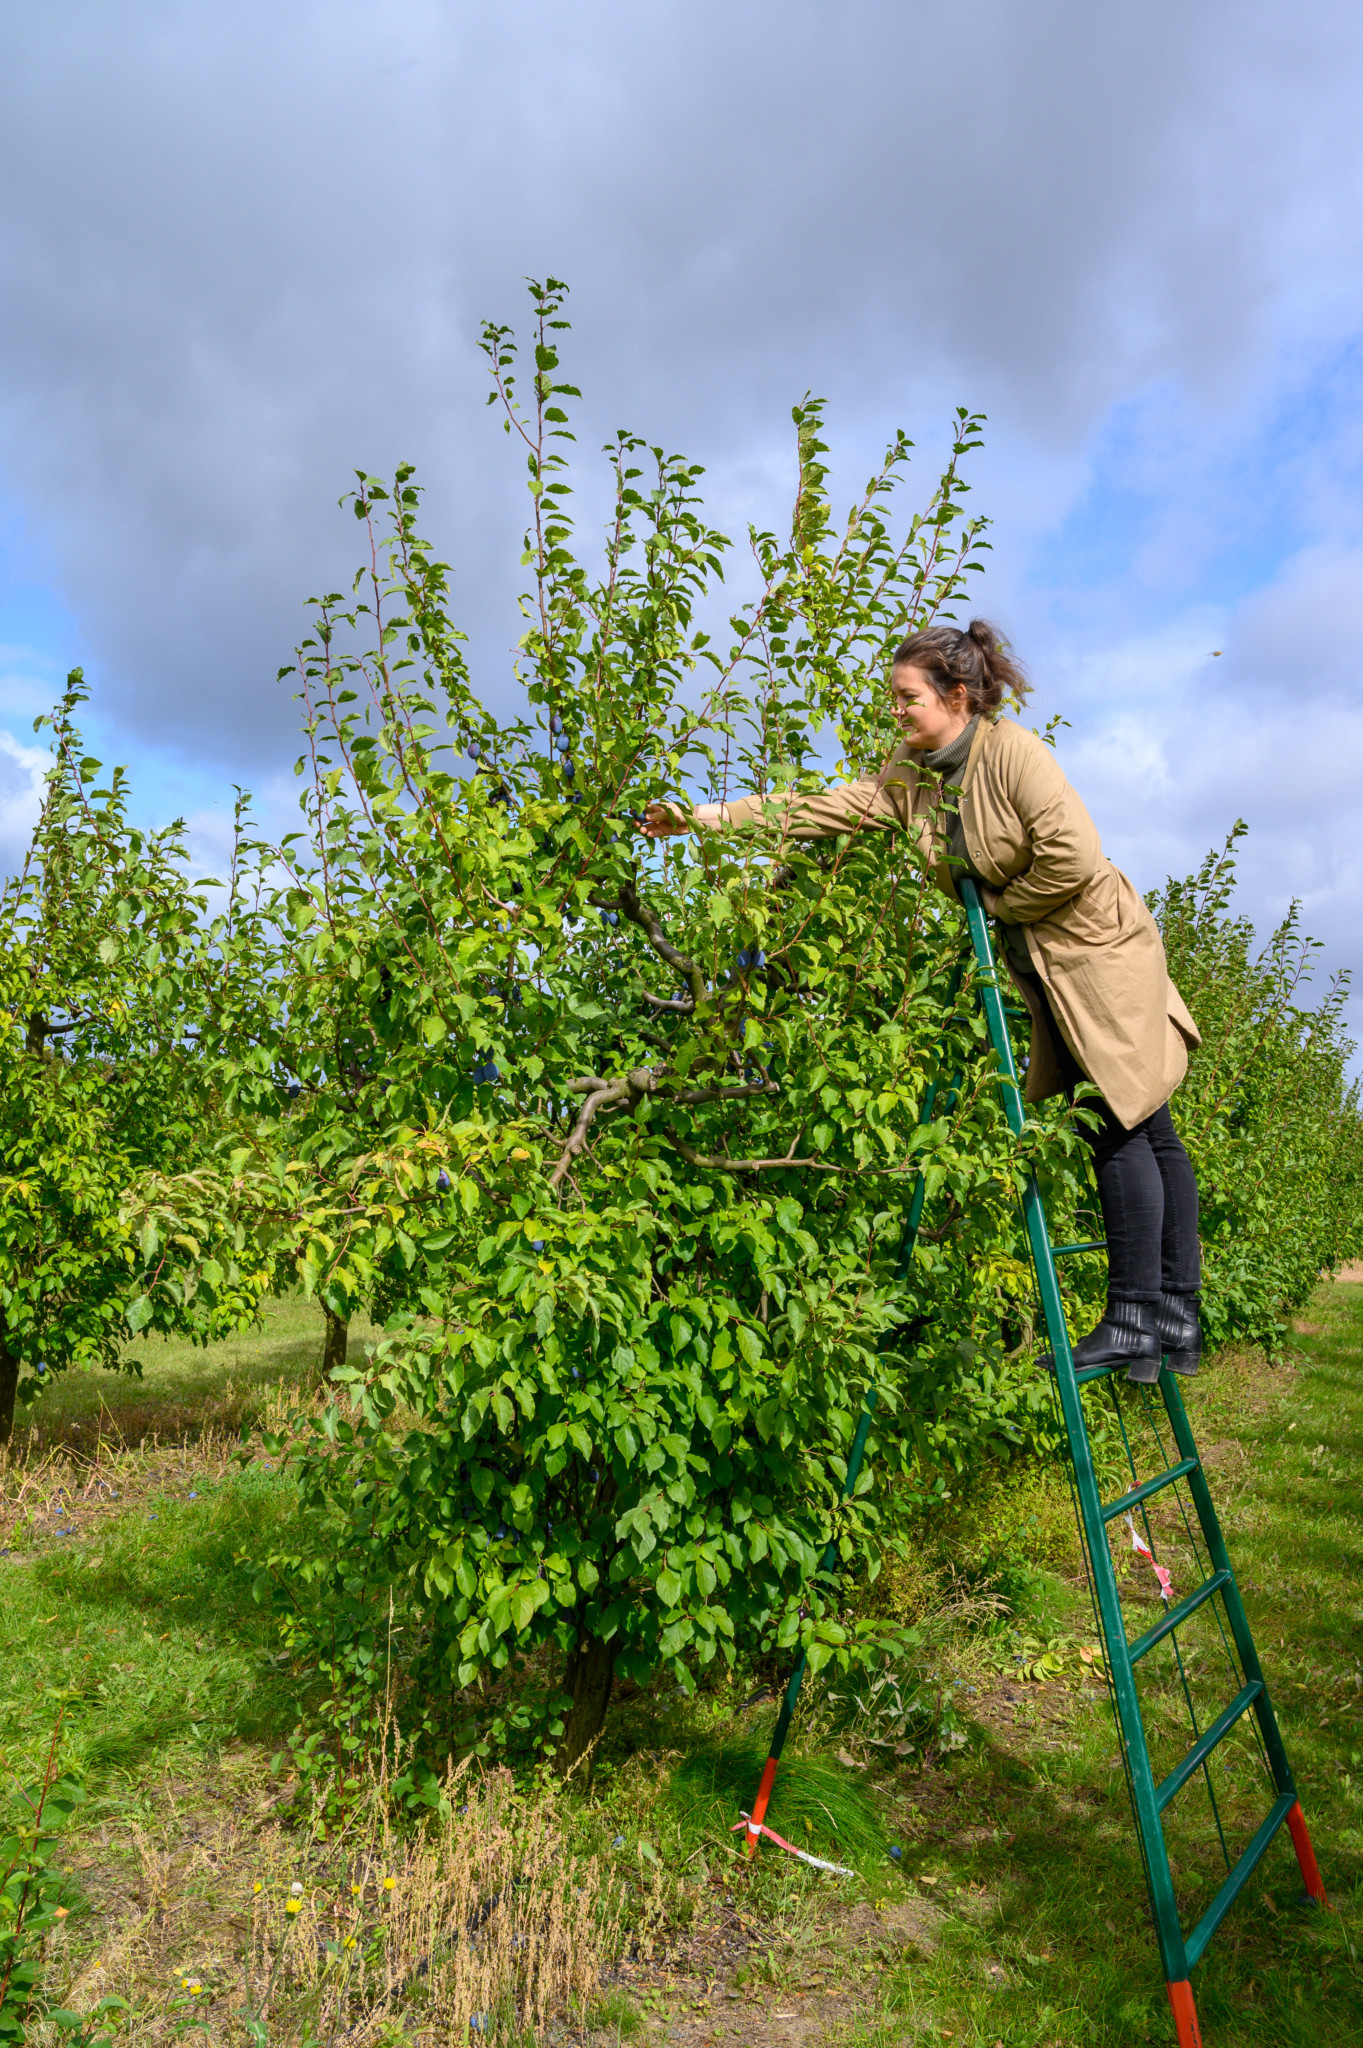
[(1071, 1921), (159, 1638)]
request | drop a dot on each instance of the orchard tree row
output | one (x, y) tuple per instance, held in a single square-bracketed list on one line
[(615, 1140)]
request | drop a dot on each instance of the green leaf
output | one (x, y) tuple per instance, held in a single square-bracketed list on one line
[(749, 1344)]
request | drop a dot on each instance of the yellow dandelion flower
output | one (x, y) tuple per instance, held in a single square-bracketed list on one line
[(195, 1989), (257, 1886), (294, 1906), (355, 1890), (349, 1941), (390, 1884)]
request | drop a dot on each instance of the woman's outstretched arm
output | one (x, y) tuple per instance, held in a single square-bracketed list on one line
[(881, 801)]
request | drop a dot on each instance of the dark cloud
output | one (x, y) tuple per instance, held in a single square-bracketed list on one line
[(246, 249)]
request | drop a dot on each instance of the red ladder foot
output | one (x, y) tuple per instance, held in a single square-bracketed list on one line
[(1185, 2015), (1306, 1855), (759, 1805)]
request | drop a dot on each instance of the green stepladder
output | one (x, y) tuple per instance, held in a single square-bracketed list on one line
[(1179, 1951), (1150, 1797)]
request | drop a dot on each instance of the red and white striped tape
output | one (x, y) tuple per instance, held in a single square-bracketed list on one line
[(1142, 1548), (756, 1828)]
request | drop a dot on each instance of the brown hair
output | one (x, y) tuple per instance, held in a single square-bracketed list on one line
[(975, 660)]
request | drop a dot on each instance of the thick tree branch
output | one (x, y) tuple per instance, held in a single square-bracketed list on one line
[(600, 1097), (723, 1164), (641, 1081), (631, 1089), (682, 1004), (650, 924)]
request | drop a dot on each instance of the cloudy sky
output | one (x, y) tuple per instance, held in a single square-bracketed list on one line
[(245, 250)]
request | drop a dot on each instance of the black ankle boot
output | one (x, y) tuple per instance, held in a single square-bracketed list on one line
[(1125, 1336), (1180, 1332)]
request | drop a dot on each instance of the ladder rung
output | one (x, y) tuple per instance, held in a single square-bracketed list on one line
[(1206, 1743), (1155, 1485), (1062, 1251), (1091, 1372), (1238, 1879), (1177, 1616)]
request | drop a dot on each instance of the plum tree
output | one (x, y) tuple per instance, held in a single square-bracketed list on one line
[(668, 1100), (104, 962)]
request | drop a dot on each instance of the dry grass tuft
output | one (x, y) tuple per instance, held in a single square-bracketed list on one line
[(488, 1924), (484, 1925)]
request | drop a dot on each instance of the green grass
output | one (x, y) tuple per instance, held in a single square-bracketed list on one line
[(155, 1636), (818, 1804), (1016, 1912), (181, 1387), (1065, 1951)]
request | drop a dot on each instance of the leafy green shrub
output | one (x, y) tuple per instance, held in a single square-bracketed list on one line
[(31, 1891), (619, 1138)]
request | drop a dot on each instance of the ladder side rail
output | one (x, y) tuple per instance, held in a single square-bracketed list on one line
[(1162, 1899), (1288, 1804)]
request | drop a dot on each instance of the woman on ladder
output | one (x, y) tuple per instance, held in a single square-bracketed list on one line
[(987, 799)]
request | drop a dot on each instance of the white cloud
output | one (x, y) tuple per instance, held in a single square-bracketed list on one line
[(22, 772)]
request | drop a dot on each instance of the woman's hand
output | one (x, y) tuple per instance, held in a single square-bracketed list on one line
[(664, 821)]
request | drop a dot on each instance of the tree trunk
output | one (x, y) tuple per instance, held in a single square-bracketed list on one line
[(591, 1670), (9, 1387), (334, 1348)]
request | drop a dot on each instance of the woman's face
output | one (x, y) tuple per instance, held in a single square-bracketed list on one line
[(926, 720)]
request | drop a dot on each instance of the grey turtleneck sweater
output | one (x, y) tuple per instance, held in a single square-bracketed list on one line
[(949, 762)]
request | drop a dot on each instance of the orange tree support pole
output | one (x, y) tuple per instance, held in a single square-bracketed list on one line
[(858, 1451), (827, 1565), (1185, 2015), (1306, 1855), (830, 1557)]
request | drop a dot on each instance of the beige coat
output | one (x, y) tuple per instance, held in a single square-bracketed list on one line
[(1092, 941)]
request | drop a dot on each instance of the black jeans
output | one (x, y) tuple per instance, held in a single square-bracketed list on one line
[(1147, 1190)]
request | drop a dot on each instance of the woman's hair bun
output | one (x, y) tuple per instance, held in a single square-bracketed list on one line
[(975, 660)]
